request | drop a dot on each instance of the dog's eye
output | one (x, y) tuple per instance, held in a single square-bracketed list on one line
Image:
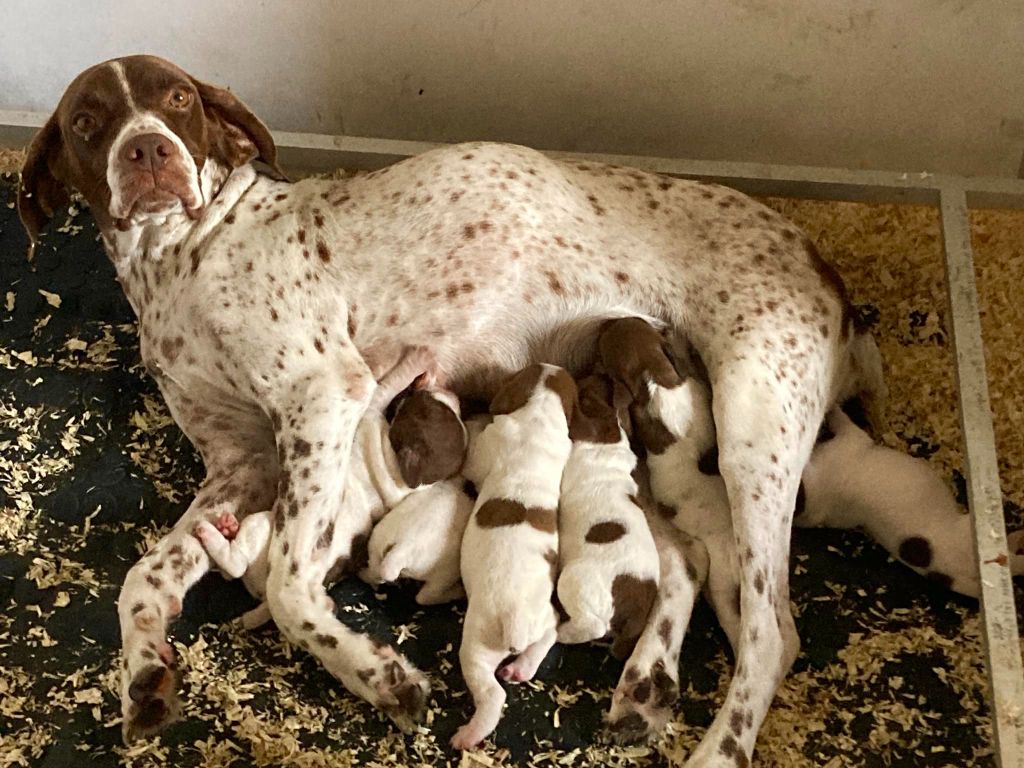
[(180, 97), (84, 123)]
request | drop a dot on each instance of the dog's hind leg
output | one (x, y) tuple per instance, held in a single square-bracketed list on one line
[(766, 428)]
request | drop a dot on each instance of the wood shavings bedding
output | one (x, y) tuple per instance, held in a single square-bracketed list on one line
[(92, 471)]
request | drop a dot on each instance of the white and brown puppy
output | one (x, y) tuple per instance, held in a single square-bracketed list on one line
[(675, 425), (390, 463), (510, 550), (898, 500), (609, 562)]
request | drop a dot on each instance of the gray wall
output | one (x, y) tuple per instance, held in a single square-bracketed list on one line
[(892, 84)]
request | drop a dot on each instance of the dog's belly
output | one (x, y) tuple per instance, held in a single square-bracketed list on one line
[(504, 257)]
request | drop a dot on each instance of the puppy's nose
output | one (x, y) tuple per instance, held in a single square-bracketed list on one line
[(147, 150)]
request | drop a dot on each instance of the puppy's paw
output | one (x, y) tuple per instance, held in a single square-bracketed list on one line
[(152, 702), (469, 736), (227, 524)]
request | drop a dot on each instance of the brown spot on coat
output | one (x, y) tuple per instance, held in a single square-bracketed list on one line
[(653, 434), (495, 513), (665, 631), (916, 551), (632, 599), (327, 641), (554, 283), (605, 533), (325, 538), (323, 251)]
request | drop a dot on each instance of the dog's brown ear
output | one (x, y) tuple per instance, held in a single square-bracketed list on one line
[(41, 191), (621, 402), (237, 136), (516, 391)]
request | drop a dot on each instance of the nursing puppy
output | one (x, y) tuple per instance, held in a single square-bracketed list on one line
[(510, 550), (674, 424), (849, 481), (609, 562), (389, 463), (421, 539)]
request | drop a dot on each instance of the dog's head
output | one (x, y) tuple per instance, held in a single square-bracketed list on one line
[(135, 135), (428, 437)]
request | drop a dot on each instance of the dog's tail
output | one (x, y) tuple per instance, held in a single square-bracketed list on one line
[(861, 378)]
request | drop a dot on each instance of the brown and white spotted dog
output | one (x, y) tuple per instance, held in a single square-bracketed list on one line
[(510, 548), (255, 297), (389, 463), (608, 560)]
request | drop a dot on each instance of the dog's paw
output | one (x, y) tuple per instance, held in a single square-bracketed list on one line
[(641, 705), (401, 693), (152, 702)]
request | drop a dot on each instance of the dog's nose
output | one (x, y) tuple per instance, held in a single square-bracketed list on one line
[(147, 150)]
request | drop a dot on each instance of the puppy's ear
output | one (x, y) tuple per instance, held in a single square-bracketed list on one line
[(514, 393), (237, 136), (42, 191), (621, 402), (410, 466)]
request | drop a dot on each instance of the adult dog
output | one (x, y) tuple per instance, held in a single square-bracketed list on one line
[(266, 309)]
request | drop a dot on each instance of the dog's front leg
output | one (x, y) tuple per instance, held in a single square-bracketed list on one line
[(238, 481), (316, 418)]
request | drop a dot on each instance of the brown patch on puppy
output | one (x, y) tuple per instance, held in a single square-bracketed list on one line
[(605, 533), (515, 392), (634, 352), (653, 434), (428, 439), (602, 410), (632, 599), (916, 551), (495, 513)]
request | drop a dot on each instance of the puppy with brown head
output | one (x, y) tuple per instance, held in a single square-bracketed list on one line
[(608, 557), (428, 437), (420, 537), (635, 354)]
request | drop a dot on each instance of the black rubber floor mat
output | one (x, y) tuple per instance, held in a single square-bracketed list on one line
[(92, 468)]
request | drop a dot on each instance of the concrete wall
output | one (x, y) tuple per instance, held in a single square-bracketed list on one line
[(892, 84)]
